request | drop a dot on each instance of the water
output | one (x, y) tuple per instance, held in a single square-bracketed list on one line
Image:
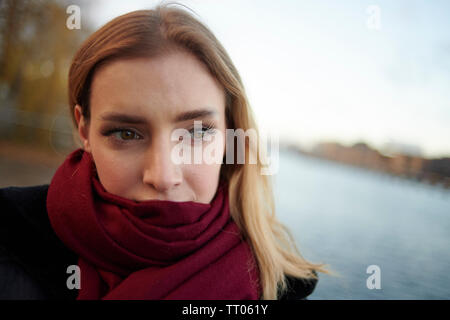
[(352, 218)]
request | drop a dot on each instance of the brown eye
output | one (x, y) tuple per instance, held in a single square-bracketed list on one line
[(200, 134), (124, 134), (127, 135)]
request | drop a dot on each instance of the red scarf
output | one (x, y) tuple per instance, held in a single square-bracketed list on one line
[(152, 249)]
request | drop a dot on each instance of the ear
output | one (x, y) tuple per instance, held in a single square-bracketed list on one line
[(83, 128)]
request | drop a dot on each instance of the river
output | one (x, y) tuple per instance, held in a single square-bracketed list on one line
[(351, 218)]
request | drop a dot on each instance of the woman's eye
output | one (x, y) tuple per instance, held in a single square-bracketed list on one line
[(126, 135), (199, 134)]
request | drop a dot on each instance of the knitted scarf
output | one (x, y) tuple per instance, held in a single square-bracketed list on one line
[(153, 249)]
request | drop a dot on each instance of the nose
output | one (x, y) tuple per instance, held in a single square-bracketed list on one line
[(160, 172)]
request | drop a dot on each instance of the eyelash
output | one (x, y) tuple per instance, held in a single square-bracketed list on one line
[(208, 128)]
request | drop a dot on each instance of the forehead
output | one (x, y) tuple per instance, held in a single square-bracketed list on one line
[(172, 82)]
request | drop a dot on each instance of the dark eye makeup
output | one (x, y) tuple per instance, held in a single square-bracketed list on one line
[(123, 134)]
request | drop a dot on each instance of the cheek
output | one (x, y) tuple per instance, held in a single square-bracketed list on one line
[(117, 171), (203, 179)]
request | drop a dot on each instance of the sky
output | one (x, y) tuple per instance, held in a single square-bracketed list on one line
[(346, 71)]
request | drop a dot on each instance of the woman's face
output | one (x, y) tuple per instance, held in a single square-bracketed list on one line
[(136, 104)]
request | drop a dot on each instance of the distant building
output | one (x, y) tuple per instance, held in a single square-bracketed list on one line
[(394, 148), (409, 165)]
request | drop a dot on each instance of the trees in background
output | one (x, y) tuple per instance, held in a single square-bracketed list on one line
[(36, 49)]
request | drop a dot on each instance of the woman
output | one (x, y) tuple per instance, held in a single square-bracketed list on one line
[(124, 217)]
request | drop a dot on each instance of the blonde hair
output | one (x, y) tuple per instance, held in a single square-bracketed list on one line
[(152, 32)]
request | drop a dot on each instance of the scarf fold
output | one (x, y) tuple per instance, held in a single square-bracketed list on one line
[(153, 249)]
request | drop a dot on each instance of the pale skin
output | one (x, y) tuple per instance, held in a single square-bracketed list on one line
[(134, 106)]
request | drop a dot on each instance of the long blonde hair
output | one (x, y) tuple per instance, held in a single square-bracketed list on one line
[(152, 32)]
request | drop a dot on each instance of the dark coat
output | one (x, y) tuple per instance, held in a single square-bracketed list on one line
[(34, 261)]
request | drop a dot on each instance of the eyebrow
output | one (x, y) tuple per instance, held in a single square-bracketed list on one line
[(188, 115), (121, 117), (194, 114)]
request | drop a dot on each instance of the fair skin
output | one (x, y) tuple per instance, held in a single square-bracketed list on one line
[(134, 106)]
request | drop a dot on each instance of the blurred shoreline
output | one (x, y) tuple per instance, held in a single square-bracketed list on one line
[(25, 165), (435, 172), (28, 153)]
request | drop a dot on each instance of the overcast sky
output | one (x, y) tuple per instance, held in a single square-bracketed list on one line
[(373, 71)]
